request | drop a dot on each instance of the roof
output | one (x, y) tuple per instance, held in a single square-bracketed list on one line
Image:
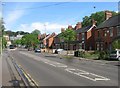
[(57, 35), (50, 35), (111, 22), (84, 29)]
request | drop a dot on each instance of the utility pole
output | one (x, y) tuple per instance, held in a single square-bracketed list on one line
[(1, 23)]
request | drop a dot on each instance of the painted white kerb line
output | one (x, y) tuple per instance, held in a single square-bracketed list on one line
[(77, 72)]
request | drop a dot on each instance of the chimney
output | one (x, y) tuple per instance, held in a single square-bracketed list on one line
[(78, 26), (70, 27), (62, 30), (94, 22), (108, 14)]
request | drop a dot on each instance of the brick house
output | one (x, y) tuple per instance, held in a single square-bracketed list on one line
[(107, 32), (50, 40), (84, 38), (41, 37)]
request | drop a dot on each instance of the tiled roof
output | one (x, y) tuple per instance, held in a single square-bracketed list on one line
[(113, 21), (84, 29)]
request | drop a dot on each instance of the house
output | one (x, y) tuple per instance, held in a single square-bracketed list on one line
[(107, 32), (46, 41), (41, 37), (84, 38), (7, 38), (50, 40)]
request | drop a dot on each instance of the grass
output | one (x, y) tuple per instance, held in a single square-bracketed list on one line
[(91, 55)]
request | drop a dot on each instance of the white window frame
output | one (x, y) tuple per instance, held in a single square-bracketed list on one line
[(111, 31), (83, 36)]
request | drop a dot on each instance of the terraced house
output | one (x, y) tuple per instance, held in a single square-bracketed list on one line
[(84, 38), (107, 32)]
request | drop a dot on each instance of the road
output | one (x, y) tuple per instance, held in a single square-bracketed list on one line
[(49, 70)]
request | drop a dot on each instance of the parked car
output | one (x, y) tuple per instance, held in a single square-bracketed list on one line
[(37, 50), (30, 49), (11, 47), (115, 54), (58, 50)]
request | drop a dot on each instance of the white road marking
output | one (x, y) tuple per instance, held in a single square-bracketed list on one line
[(85, 74), (77, 72)]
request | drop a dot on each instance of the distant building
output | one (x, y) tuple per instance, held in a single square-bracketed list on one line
[(19, 36), (7, 38), (16, 37)]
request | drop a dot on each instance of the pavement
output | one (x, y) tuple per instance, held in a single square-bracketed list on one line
[(9, 74), (48, 70)]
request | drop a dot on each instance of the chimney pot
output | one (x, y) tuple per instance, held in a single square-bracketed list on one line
[(108, 14), (78, 26)]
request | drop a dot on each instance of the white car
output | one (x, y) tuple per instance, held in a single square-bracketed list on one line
[(115, 54)]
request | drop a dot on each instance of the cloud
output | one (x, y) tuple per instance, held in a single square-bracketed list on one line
[(43, 27), (13, 16)]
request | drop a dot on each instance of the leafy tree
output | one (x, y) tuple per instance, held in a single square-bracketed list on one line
[(30, 40), (116, 44), (17, 42), (67, 36), (36, 32), (4, 42), (98, 16)]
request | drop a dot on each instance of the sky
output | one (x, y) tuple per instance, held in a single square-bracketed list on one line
[(49, 16)]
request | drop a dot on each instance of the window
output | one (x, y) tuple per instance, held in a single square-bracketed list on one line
[(105, 33), (118, 30), (80, 45), (77, 36), (101, 46), (111, 31), (98, 33), (83, 36), (97, 46)]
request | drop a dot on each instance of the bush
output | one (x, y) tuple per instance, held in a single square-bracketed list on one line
[(103, 55)]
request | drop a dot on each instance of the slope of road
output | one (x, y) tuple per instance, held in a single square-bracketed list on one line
[(48, 73)]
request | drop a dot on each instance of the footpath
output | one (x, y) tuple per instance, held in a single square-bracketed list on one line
[(102, 62), (10, 77)]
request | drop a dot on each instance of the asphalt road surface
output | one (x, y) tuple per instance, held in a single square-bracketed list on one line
[(49, 70)]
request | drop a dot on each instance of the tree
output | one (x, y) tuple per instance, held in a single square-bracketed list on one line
[(98, 16), (67, 36), (36, 32), (30, 40), (17, 42), (116, 44), (4, 42)]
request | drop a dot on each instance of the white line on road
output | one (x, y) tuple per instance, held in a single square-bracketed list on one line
[(85, 74), (77, 72)]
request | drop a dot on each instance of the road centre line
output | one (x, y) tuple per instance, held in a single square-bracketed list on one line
[(77, 72)]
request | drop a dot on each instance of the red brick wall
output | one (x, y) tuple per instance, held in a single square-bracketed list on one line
[(106, 39)]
